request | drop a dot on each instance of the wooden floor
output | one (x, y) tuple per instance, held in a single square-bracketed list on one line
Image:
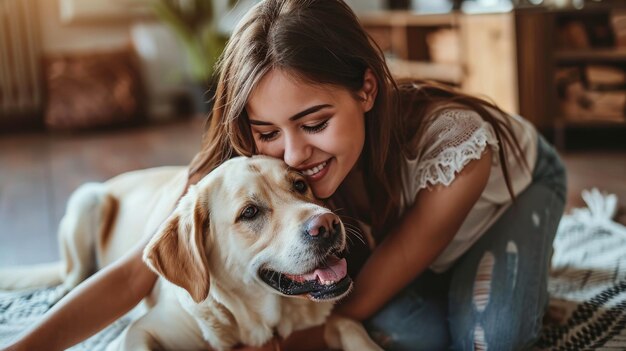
[(39, 171)]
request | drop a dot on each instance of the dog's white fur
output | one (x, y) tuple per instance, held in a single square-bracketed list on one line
[(209, 257)]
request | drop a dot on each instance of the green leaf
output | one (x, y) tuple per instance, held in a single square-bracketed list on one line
[(195, 28)]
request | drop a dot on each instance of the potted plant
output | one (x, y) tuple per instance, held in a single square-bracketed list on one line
[(193, 22)]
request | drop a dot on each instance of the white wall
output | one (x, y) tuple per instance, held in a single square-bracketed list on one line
[(95, 35)]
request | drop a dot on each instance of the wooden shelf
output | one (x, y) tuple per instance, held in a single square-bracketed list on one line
[(403, 18), (443, 72), (474, 52), (606, 55)]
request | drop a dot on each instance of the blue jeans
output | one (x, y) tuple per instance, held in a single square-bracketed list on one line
[(495, 295)]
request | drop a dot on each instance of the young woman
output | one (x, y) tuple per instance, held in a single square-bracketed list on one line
[(462, 199)]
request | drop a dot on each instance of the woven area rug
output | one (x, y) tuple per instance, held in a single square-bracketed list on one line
[(587, 287), (588, 280), (20, 310)]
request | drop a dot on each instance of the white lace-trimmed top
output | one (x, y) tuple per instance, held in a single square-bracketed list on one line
[(454, 138)]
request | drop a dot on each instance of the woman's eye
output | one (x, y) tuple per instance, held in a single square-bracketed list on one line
[(316, 127), (300, 186), (249, 212), (268, 136)]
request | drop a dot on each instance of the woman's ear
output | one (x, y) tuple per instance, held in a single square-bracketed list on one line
[(177, 250), (368, 91)]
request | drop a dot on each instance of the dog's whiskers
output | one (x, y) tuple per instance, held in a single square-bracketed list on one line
[(349, 239), (349, 236), (355, 233), (353, 229), (353, 226), (350, 225), (354, 219)]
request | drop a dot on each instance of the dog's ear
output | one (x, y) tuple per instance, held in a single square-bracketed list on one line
[(177, 250)]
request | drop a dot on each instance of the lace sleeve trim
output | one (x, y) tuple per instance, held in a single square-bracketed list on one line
[(442, 168)]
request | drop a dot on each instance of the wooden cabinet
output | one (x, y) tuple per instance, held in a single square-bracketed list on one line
[(574, 68), (474, 52), (534, 47), (490, 62), (527, 61)]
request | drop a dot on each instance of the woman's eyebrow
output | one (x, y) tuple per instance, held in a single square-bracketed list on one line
[(295, 117)]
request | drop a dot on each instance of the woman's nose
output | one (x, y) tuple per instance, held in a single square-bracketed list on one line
[(297, 151)]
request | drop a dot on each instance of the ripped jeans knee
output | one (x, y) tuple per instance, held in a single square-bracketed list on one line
[(488, 308)]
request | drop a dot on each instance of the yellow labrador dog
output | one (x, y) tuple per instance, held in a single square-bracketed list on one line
[(248, 253)]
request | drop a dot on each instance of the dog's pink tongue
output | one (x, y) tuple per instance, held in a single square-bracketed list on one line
[(334, 270)]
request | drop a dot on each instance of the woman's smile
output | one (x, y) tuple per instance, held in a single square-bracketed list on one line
[(317, 172)]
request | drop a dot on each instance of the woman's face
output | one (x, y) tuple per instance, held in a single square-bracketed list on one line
[(316, 129)]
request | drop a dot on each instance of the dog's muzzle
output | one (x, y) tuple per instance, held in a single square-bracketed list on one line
[(329, 280)]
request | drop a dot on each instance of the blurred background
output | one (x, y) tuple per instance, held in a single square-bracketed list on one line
[(93, 88)]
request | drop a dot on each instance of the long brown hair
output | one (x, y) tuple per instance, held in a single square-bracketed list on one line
[(322, 42)]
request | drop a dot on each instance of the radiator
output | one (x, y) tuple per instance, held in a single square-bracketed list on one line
[(21, 85)]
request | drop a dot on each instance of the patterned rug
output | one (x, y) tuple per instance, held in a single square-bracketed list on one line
[(587, 287), (588, 280), (20, 310)]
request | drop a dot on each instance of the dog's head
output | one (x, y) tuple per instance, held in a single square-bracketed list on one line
[(252, 221)]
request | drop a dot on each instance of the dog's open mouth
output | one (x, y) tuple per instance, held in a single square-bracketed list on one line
[(328, 281)]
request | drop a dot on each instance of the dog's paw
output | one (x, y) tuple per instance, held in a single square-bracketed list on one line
[(346, 334)]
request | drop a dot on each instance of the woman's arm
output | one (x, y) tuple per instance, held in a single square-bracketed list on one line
[(92, 305), (422, 234)]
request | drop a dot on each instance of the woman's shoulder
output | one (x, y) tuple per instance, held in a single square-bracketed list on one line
[(451, 126), (452, 137), (450, 114)]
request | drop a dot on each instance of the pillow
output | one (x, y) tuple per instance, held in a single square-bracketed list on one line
[(89, 90)]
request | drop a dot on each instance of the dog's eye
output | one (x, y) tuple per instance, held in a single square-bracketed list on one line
[(249, 212), (300, 186)]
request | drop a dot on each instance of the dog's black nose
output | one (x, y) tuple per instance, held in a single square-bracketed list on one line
[(322, 227)]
